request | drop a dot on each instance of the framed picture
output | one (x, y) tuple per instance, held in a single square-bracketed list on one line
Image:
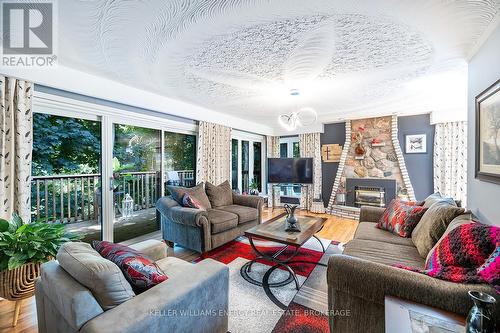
[(416, 144), (488, 134)]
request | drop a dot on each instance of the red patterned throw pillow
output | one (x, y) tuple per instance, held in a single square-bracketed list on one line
[(401, 217), (139, 271), (190, 202)]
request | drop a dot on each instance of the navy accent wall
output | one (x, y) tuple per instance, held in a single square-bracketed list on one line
[(334, 133), (420, 166)]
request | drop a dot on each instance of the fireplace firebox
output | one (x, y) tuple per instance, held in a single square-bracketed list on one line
[(369, 196), (376, 192)]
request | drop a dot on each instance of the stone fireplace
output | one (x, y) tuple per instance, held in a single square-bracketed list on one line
[(371, 169)]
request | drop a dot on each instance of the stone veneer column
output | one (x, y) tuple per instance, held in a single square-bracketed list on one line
[(401, 160), (343, 158)]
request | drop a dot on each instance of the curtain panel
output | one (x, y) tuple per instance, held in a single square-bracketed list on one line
[(310, 146), (213, 163), (450, 160), (16, 145), (273, 151)]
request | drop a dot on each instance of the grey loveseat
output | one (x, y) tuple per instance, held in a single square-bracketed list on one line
[(193, 299), (361, 277), (204, 229)]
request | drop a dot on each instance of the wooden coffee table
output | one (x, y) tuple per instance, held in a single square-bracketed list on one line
[(274, 230)]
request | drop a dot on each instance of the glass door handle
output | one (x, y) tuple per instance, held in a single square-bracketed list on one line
[(111, 183)]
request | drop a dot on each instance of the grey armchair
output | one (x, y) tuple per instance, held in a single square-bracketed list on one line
[(193, 299), (203, 230)]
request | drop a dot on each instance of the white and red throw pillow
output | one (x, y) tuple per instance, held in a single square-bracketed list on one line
[(140, 272), (190, 202), (401, 217)]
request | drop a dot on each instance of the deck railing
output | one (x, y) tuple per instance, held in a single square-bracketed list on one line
[(76, 198)]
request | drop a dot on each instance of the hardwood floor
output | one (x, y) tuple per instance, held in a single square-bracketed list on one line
[(335, 228)]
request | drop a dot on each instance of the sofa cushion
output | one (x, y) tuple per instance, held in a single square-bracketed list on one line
[(437, 197), (102, 277), (221, 220), (140, 271), (221, 195), (245, 214), (173, 266), (401, 217), (461, 219), (368, 231), (197, 192), (433, 225), (384, 253), (152, 248)]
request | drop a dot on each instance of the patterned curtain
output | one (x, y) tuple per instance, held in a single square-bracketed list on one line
[(310, 146), (273, 150), (450, 160), (16, 144), (213, 162)]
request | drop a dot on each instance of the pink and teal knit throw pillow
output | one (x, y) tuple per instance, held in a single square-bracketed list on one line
[(467, 254), (490, 270)]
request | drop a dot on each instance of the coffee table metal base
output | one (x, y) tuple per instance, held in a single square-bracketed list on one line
[(247, 268)]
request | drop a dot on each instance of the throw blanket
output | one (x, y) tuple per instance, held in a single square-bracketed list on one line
[(469, 253)]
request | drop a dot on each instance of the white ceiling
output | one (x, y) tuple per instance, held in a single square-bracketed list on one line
[(349, 59)]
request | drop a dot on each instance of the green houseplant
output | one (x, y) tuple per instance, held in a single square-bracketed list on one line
[(35, 242), (254, 187), (23, 248)]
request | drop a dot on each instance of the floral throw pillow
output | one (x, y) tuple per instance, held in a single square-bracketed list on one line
[(401, 217), (139, 271), (190, 202)]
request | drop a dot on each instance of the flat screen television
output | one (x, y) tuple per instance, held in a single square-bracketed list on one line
[(290, 170)]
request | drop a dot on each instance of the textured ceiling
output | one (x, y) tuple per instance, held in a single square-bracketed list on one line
[(242, 57)]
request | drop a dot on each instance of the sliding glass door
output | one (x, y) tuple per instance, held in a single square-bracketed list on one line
[(179, 159), (136, 180), (100, 170), (66, 169)]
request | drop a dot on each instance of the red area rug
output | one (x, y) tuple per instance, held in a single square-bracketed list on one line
[(244, 296)]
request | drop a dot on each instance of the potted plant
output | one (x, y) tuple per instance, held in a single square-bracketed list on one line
[(254, 187), (23, 248)]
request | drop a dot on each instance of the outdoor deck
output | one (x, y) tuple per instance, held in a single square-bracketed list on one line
[(140, 223), (75, 201)]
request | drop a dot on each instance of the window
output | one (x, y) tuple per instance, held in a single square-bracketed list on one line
[(289, 148), (257, 166), (283, 150), (180, 159), (247, 154), (245, 165), (296, 150), (66, 183), (234, 164)]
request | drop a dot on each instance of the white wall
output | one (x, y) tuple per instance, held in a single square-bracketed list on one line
[(484, 70)]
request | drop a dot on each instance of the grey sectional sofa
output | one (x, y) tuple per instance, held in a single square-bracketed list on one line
[(193, 299), (361, 277), (203, 230)]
